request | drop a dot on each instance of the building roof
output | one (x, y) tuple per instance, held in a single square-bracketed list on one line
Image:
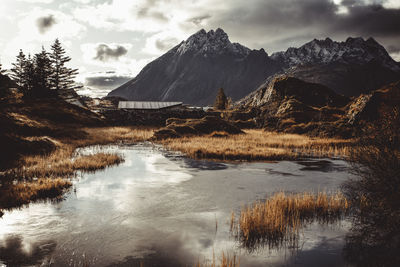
[(147, 104)]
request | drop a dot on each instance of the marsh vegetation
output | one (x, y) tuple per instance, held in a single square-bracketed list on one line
[(277, 221), (258, 145)]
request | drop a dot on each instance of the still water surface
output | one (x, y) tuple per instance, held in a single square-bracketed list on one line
[(162, 209)]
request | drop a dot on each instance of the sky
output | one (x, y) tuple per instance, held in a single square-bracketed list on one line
[(110, 41)]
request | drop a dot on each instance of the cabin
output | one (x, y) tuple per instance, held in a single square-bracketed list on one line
[(149, 105)]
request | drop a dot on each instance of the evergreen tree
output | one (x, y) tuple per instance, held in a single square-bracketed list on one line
[(62, 76), (29, 70), (42, 72), (221, 100), (18, 71)]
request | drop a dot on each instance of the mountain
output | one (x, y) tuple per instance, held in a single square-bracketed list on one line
[(291, 105), (350, 68), (377, 106), (194, 70)]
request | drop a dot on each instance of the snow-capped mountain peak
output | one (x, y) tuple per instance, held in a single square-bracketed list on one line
[(211, 43), (353, 50)]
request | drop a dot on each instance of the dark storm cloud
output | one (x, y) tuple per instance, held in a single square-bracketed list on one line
[(105, 53), (372, 20), (278, 24), (108, 80), (45, 23)]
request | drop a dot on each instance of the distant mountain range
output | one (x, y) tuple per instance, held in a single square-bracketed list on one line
[(194, 70)]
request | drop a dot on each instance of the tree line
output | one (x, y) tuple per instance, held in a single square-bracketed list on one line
[(44, 73)]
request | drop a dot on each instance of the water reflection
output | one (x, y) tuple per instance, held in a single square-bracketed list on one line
[(15, 252), (321, 165), (155, 208)]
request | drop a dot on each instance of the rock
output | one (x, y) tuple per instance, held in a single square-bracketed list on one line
[(189, 127)]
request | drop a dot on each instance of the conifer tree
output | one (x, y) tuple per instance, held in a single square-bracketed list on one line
[(29, 70), (62, 76), (42, 73), (221, 100), (18, 71)]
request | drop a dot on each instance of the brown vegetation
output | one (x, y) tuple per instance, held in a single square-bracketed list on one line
[(258, 145), (14, 195), (39, 176), (277, 221), (194, 127), (374, 239)]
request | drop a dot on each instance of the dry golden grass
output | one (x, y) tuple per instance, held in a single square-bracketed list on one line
[(61, 163), (44, 172), (258, 145), (225, 261), (21, 193), (277, 221)]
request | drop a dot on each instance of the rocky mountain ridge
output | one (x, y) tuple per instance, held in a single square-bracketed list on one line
[(194, 70)]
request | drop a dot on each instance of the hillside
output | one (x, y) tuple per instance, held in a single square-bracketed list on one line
[(30, 126)]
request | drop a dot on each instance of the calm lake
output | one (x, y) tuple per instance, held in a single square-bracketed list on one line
[(162, 209)]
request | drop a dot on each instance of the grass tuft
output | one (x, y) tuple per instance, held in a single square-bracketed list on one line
[(277, 221)]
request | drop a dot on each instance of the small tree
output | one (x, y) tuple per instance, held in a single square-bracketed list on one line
[(18, 71), (221, 100), (62, 76)]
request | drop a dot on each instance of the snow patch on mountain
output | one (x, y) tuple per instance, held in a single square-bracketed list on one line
[(211, 43), (352, 51)]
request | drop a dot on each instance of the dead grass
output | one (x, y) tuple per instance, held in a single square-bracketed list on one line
[(276, 222), (21, 193), (62, 163), (44, 172), (259, 145)]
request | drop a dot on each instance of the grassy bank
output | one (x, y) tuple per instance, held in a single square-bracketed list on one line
[(258, 145), (43, 176), (276, 222)]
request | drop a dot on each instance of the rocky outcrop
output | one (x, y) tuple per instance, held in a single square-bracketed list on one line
[(186, 127), (376, 106), (291, 105)]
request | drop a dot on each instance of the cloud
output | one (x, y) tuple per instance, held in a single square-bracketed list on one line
[(109, 79), (106, 52), (277, 24), (40, 27), (45, 23), (14, 252), (198, 20), (161, 42), (112, 56)]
